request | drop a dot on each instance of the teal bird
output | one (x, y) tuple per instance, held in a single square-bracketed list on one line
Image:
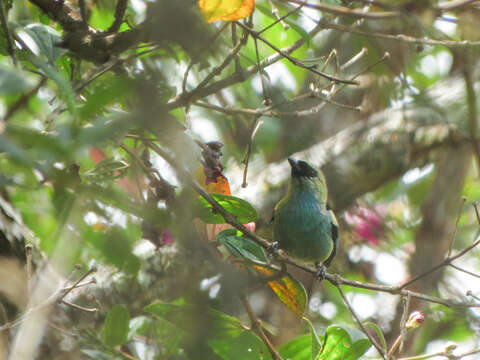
[(303, 224)]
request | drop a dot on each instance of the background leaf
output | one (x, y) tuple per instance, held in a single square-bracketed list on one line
[(116, 325)]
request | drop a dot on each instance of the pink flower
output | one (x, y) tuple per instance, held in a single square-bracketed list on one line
[(368, 224)]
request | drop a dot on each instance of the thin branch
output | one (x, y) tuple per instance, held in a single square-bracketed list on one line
[(364, 330), (445, 262), (454, 5), (280, 19), (266, 100), (255, 126), (292, 59), (464, 271), (342, 10), (446, 353), (119, 14), (454, 234), (256, 325), (471, 105), (404, 38), (182, 100), (83, 11), (23, 100)]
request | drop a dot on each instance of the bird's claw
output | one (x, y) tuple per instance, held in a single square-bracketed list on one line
[(321, 272), (272, 250)]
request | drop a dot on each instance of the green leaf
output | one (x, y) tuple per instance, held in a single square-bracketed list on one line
[(379, 333), (190, 317), (116, 326), (316, 344), (343, 343), (13, 81), (116, 248), (106, 170), (299, 348), (47, 40), (66, 91), (241, 209), (246, 346), (241, 246)]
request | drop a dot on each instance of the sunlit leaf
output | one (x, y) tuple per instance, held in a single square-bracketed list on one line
[(115, 328), (316, 344), (229, 10), (241, 246), (290, 292), (247, 346), (241, 209), (299, 348), (343, 343), (47, 40)]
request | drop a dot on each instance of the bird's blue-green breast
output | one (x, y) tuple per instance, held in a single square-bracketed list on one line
[(302, 225)]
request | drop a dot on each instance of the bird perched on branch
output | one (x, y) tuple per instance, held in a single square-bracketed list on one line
[(304, 226)]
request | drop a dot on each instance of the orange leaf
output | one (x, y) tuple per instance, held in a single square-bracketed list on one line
[(218, 184), (229, 10)]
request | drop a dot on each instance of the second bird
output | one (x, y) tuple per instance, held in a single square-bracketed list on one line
[(304, 226)]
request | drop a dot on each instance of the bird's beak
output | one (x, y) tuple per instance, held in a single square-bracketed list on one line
[(292, 162)]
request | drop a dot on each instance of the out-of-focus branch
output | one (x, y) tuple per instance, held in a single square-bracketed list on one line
[(257, 327), (119, 14)]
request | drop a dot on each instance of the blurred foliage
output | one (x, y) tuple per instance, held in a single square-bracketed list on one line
[(99, 135)]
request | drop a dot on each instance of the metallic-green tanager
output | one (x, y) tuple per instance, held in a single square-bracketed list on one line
[(304, 226)]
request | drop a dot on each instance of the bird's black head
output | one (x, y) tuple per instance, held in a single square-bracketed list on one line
[(301, 168)]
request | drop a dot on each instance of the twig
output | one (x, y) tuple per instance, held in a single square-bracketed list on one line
[(23, 100), (445, 262), (446, 353), (469, 293), (454, 5), (28, 255), (255, 126), (83, 11), (279, 18), (475, 206), (341, 10), (403, 321), (182, 100), (471, 105), (78, 307), (266, 99), (364, 330), (256, 324), (454, 234), (65, 292), (292, 59), (464, 271), (404, 38), (119, 14)]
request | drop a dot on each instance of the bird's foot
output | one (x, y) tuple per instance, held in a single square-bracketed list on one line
[(321, 271), (272, 250)]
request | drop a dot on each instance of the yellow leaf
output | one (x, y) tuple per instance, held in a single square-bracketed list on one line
[(288, 290), (229, 10)]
